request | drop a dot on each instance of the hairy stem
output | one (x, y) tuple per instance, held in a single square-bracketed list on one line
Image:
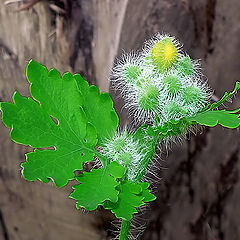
[(149, 159), (125, 229)]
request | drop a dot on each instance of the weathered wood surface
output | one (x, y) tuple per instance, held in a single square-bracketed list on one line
[(199, 194)]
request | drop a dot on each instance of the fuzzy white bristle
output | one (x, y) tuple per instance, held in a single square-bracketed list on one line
[(167, 94)]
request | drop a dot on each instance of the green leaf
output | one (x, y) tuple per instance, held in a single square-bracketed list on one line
[(98, 186), (228, 119), (224, 98), (73, 137), (131, 196), (170, 128), (146, 193), (99, 110)]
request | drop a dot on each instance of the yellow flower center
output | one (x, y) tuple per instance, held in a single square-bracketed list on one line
[(164, 54)]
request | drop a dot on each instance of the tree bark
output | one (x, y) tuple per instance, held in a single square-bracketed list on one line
[(198, 197)]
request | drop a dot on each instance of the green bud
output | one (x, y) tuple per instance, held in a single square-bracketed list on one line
[(185, 66), (172, 83), (131, 72), (174, 109), (149, 98), (126, 158), (192, 94), (119, 143)]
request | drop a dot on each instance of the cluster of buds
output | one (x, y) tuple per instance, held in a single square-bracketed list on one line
[(161, 82)]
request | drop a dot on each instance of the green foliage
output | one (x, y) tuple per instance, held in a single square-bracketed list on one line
[(64, 121), (67, 123), (228, 119), (225, 97), (210, 117), (73, 138), (131, 196), (146, 193), (98, 186), (98, 109)]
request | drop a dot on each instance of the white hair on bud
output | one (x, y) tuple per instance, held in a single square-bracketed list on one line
[(149, 93), (161, 86), (123, 144), (148, 45)]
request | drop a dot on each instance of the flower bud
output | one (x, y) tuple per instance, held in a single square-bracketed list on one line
[(149, 97), (172, 83), (185, 66), (164, 54), (131, 72)]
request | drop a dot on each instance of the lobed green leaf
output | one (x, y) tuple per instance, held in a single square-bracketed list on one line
[(228, 119), (146, 193), (131, 196), (99, 110), (98, 186), (58, 116)]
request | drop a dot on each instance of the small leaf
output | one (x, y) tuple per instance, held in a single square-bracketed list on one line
[(131, 196), (98, 186), (128, 201), (99, 109), (146, 193), (228, 119), (225, 97)]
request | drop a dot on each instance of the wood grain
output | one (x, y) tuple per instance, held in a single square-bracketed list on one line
[(198, 196)]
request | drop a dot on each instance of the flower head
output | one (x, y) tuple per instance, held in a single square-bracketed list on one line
[(161, 81)]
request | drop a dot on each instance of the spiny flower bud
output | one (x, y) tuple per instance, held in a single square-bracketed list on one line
[(172, 83), (118, 143), (126, 158), (149, 97), (192, 94), (127, 151), (185, 66), (131, 72), (164, 54), (173, 110), (161, 82)]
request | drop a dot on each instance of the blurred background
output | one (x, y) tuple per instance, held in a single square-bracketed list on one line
[(198, 184)]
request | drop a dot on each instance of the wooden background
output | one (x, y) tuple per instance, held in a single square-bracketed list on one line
[(199, 190)]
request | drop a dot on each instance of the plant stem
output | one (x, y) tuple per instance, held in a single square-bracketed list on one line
[(125, 229), (105, 161), (148, 160)]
